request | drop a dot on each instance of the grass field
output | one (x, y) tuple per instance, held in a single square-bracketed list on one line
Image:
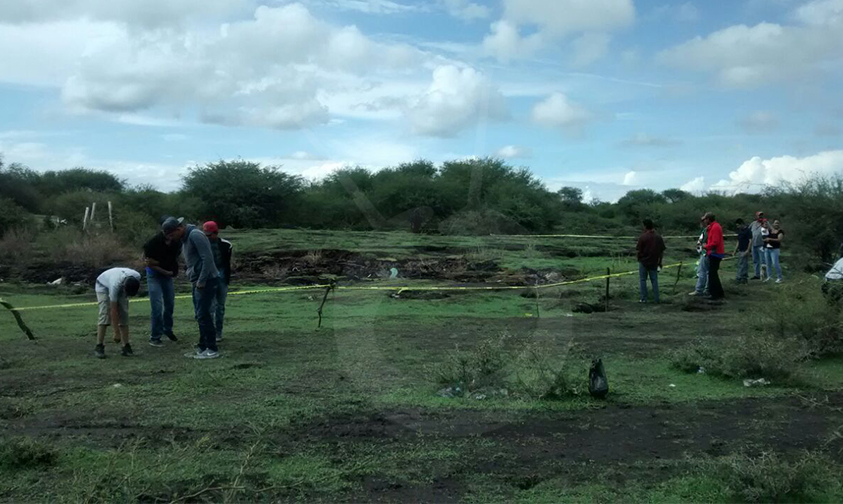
[(359, 410)]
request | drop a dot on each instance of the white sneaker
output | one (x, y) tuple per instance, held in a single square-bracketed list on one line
[(207, 354), (779, 280), (192, 354), (695, 293)]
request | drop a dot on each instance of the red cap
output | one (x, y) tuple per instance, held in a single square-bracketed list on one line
[(210, 227)]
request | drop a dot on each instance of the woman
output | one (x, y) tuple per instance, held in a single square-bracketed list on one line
[(772, 249)]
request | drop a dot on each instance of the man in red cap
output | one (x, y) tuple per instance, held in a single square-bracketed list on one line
[(758, 229), (716, 250), (222, 259)]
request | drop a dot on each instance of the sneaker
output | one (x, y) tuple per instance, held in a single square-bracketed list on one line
[(767, 279), (156, 343), (99, 351), (193, 353), (127, 351), (779, 280), (219, 337), (171, 336), (207, 354), (695, 293), (642, 300)]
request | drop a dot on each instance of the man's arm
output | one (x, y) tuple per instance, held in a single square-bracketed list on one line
[(115, 318), (203, 248)]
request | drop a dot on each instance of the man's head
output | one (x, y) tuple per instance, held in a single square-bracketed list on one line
[(173, 228), (212, 231), (648, 224), (708, 218), (759, 216), (740, 224), (131, 286)]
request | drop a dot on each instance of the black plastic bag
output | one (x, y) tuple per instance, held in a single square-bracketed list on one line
[(598, 385)]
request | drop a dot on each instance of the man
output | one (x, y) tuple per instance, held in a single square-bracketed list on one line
[(203, 274), (758, 256), (742, 251), (716, 250), (161, 254), (650, 253), (113, 288), (222, 260), (702, 270)]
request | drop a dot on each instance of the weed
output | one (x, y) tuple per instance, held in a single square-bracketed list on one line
[(26, 453), (470, 370), (542, 375), (801, 312), (769, 478), (16, 244), (745, 357)]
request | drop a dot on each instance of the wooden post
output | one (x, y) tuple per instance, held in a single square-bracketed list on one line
[(110, 217), (85, 219), (538, 312), (678, 272), (93, 211), (608, 272)]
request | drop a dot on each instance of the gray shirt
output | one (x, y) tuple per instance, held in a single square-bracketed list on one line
[(757, 238), (198, 256)]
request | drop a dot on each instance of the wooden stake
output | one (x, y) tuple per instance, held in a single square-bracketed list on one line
[(85, 219), (324, 298), (678, 272), (110, 217), (608, 272), (538, 313), (93, 211)]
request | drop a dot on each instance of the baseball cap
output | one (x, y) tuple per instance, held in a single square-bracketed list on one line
[(170, 224), (759, 214), (210, 227)]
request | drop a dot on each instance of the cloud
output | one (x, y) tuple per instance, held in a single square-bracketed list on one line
[(557, 111), (759, 121), (304, 155), (466, 10), (756, 173), (751, 56), (684, 13), (694, 186), (645, 140), (827, 129), (513, 152), (552, 21), (456, 98), (371, 6), (630, 178)]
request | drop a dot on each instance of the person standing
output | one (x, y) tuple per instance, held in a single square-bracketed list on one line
[(716, 250), (113, 288), (222, 260), (161, 254), (650, 253), (773, 245), (742, 251), (702, 268), (203, 274), (758, 253)]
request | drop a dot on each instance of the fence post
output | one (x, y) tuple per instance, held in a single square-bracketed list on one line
[(93, 211), (608, 272), (85, 219), (110, 218)]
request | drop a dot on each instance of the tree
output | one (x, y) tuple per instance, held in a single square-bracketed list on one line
[(676, 195), (244, 194), (53, 183), (570, 195)]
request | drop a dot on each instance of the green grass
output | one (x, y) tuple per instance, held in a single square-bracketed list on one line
[(350, 411)]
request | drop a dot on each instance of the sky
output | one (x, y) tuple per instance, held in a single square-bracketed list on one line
[(605, 95)]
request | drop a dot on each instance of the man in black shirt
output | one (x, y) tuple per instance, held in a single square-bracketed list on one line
[(161, 254), (742, 251)]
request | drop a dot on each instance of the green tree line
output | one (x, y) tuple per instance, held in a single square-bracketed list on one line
[(474, 196)]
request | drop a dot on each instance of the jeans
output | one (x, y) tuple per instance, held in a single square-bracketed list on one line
[(758, 258), (702, 276), (162, 298), (773, 262), (643, 273), (202, 301), (743, 267), (715, 288), (218, 307)]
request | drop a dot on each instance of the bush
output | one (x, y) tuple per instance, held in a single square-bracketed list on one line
[(769, 478), (801, 312), (480, 367), (11, 216), (756, 356), (479, 222), (97, 251), (25, 453), (16, 245), (541, 374)]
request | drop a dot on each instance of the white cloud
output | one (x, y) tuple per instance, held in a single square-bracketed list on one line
[(513, 152), (559, 112), (827, 129), (756, 173), (372, 6), (456, 99), (630, 178), (687, 12), (304, 155), (551, 21), (645, 140), (760, 121), (694, 186), (464, 9), (752, 56)]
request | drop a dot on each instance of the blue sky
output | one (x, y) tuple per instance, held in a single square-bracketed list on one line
[(606, 95)]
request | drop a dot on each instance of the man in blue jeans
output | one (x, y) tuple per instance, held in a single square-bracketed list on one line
[(742, 251), (758, 255), (650, 253), (222, 259), (161, 254), (204, 276)]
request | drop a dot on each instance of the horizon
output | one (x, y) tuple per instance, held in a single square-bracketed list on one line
[(607, 97)]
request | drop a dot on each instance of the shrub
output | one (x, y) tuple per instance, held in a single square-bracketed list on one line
[(801, 312), (752, 356), (11, 215), (479, 222), (483, 366), (769, 478), (16, 244), (26, 453), (541, 374)]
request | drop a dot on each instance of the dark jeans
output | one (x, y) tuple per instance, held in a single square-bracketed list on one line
[(202, 301), (162, 298), (643, 273), (742, 274), (715, 288)]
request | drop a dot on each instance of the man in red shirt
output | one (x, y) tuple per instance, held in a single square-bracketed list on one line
[(715, 249), (650, 252)]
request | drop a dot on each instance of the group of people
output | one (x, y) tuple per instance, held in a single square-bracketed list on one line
[(208, 262), (760, 239)]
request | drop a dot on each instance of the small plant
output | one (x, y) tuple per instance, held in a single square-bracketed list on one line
[(16, 245), (753, 356), (25, 453), (480, 367), (313, 257), (769, 478), (542, 375)]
